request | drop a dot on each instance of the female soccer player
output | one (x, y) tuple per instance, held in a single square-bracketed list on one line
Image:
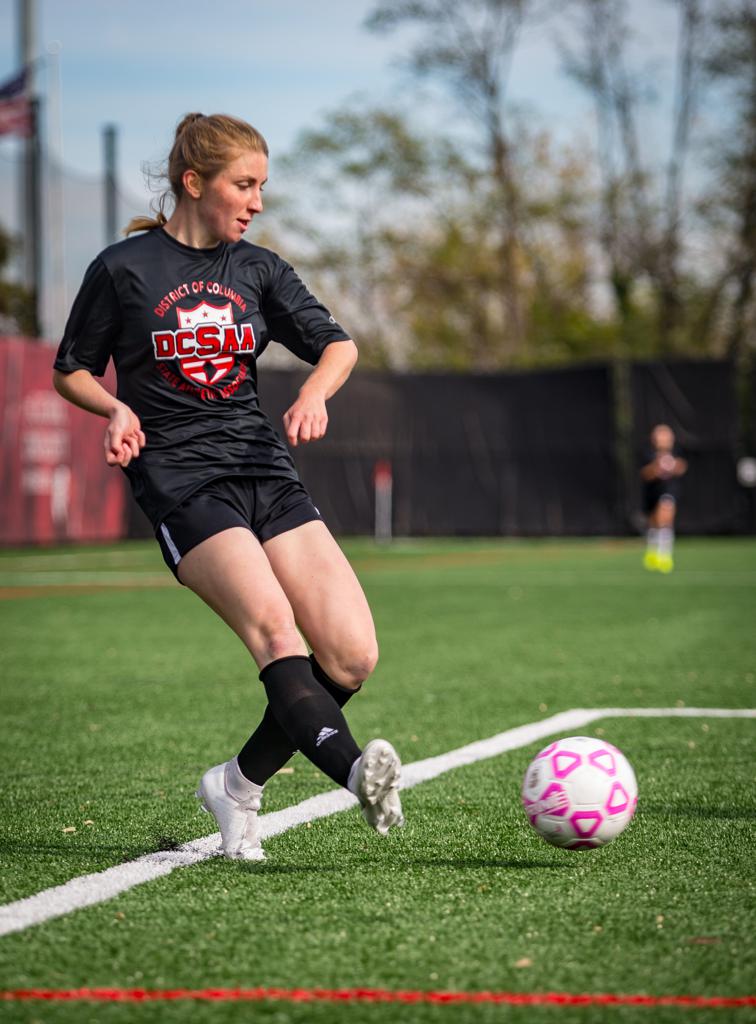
[(661, 491), (185, 308)]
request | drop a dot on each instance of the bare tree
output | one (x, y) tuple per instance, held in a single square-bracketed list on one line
[(599, 70), (642, 213), (732, 61), (668, 258), (470, 46), (370, 173)]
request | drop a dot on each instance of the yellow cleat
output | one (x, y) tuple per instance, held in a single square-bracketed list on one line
[(651, 560), (664, 563)]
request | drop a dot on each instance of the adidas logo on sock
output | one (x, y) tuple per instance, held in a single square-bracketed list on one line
[(325, 734)]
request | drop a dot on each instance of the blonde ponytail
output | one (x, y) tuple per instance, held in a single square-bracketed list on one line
[(144, 223)]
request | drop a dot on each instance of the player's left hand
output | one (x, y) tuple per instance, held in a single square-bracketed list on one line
[(124, 437), (306, 420)]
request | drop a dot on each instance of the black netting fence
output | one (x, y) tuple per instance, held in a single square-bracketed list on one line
[(698, 400), (516, 454)]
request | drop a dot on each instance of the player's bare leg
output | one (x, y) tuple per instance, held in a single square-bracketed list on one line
[(331, 610), (665, 525), (329, 604), (232, 574), (660, 536), (651, 554)]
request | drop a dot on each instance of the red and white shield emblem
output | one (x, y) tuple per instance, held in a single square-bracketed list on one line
[(206, 371)]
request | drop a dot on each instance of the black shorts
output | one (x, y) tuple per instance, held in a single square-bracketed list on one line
[(265, 505), (659, 490)]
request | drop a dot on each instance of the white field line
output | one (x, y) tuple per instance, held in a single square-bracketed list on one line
[(88, 890)]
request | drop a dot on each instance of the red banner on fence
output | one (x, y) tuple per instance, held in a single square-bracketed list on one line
[(54, 482)]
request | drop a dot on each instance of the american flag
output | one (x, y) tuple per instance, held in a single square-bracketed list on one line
[(15, 108)]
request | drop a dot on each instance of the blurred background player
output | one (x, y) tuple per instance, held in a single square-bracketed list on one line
[(233, 521), (661, 489)]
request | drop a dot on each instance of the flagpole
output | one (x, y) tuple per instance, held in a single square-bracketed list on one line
[(109, 143), (30, 184), (55, 208)]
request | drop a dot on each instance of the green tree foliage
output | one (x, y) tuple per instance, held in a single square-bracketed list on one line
[(452, 270), (732, 63), (16, 306), (368, 180), (489, 245), (410, 256), (469, 46)]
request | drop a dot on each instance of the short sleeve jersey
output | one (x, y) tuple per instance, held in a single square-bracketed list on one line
[(650, 453), (185, 328), (653, 490)]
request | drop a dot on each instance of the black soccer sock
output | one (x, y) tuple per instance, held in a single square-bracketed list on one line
[(269, 748), (310, 716), (266, 750), (339, 693)]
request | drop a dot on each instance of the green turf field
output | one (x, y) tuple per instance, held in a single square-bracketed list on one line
[(119, 688)]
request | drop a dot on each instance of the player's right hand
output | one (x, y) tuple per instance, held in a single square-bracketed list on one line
[(124, 437)]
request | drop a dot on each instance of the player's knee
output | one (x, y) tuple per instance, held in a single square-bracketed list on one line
[(279, 638), (355, 665), (667, 511)]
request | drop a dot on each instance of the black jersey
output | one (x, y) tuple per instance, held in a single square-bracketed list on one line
[(184, 328), (650, 454), (667, 486)]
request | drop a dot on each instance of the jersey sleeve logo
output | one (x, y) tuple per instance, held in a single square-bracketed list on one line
[(206, 343)]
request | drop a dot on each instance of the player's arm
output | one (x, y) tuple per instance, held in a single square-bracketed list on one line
[(307, 419), (650, 471), (92, 331), (124, 437)]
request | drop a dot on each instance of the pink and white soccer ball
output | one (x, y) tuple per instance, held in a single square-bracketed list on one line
[(579, 792)]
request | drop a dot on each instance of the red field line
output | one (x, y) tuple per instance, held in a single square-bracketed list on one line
[(365, 995)]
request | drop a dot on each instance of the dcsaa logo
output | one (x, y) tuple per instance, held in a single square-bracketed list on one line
[(206, 343)]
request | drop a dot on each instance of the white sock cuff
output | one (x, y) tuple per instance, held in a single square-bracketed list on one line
[(666, 540), (238, 785), (352, 780)]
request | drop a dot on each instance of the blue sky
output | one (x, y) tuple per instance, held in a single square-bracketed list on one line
[(280, 64)]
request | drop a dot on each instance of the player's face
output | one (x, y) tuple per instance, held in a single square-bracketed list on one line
[(231, 199), (663, 439)]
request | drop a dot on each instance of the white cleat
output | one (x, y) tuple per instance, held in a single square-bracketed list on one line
[(376, 786), (237, 818)]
